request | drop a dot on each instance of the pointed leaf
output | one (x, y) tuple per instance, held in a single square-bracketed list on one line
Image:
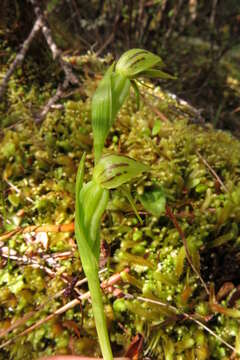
[(137, 93), (93, 200), (80, 232), (128, 195), (80, 175), (156, 73)]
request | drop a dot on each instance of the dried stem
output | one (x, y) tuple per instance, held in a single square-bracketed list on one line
[(70, 78), (28, 261), (154, 109), (59, 311), (111, 37), (212, 171), (17, 190), (59, 94), (36, 262)]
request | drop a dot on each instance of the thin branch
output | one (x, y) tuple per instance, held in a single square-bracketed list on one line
[(28, 261), (154, 109), (59, 311), (51, 261), (21, 55), (170, 214), (18, 191), (213, 12), (212, 171), (187, 316), (59, 94)]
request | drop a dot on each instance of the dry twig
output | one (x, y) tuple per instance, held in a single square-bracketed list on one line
[(212, 171), (155, 109), (51, 261)]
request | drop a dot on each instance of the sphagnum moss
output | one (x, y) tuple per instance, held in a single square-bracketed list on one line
[(38, 191)]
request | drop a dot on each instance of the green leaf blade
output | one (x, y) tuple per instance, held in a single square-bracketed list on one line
[(93, 200)]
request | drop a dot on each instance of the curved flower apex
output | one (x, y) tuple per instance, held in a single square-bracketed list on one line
[(135, 61), (115, 170), (107, 101)]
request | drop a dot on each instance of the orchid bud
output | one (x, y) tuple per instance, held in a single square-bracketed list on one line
[(135, 61), (115, 170)]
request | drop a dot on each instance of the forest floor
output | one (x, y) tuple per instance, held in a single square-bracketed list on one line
[(158, 301)]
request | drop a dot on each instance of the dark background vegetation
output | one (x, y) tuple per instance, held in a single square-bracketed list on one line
[(198, 40)]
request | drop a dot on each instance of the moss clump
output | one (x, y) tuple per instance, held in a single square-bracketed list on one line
[(39, 168)]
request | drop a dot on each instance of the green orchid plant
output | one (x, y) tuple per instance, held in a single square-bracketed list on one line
[(111, 171)]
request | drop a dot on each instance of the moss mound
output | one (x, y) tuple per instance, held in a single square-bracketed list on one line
[(160, 304)]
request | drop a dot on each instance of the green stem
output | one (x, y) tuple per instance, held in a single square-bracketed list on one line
[(98, 148), (98, 312), (90, 268)]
